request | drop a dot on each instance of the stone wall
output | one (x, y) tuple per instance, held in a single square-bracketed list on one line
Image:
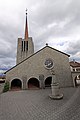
[(34, 67)]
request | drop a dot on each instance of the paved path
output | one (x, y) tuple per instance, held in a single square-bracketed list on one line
[(36, 105)]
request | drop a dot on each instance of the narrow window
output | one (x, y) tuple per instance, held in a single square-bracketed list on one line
[(27, 45), (22, 45)]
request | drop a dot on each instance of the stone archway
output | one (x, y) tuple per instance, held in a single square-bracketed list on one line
[(33, 83), (16, 84), (77, 80), (48, 81)]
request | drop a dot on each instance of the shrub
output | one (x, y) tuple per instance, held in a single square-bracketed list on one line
[(6, 87)]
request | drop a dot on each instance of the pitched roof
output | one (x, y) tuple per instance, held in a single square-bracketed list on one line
[(74, 64), (36, 53)]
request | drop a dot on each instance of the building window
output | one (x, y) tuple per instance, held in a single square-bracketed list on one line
[(22, 45), (73, 69), (78, 69), (27, 45)]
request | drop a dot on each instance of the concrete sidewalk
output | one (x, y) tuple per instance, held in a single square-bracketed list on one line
[(36, 105)]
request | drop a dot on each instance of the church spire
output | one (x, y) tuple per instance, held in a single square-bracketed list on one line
[(26, 28)]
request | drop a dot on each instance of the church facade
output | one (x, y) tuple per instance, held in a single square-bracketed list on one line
[(35, 70)]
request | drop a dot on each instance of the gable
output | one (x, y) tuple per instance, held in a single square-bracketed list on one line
[(47, 51)]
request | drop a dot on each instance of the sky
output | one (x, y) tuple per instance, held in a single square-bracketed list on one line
[(56, 22)]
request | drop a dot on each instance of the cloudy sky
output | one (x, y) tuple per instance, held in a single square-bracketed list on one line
[(56, 22)]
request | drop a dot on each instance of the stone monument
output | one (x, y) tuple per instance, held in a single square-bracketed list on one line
[(49, 65)]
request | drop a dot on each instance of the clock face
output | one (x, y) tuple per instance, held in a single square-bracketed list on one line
[(49, 63)]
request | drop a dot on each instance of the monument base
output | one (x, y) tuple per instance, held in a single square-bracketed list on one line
[(56, 97)]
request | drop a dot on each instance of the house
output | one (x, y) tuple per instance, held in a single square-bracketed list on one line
[(75, 70), (75, 66)]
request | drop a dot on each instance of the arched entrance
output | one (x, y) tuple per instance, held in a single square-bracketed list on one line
[(77, 80), (48, 82), (16, 84), (33, 83)]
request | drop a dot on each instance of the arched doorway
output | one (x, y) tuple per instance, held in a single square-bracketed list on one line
[(33, 83), (77, 80), (16, 84), (48, 82)]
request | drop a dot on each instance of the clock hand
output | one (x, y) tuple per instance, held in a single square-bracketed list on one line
[(49, 64)]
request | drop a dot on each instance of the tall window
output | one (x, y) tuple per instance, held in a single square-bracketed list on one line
[(22, 45)]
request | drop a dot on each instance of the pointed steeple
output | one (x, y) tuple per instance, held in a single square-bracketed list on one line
[(26, 28)]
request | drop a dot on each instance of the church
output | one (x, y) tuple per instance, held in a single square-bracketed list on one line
[(35, 69)]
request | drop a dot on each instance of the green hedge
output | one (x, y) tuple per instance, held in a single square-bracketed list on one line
[(6, 87)]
